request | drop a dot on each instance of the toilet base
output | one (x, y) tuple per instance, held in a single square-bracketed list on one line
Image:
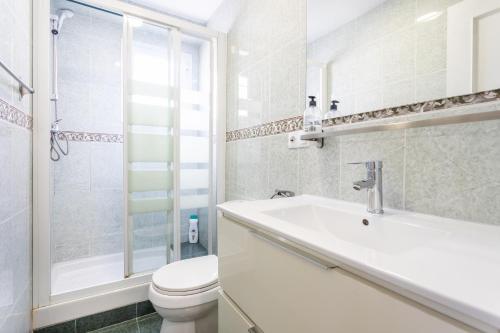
[(177, 327)]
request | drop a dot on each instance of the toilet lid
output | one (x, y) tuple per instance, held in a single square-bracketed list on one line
[(187, 275)]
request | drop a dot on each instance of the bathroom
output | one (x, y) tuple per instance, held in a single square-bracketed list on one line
[(165, 169)]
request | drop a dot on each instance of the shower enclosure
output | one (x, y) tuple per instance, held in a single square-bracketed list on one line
[(135, 94)]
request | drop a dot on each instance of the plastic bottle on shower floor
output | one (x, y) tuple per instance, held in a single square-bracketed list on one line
[(193, 229)]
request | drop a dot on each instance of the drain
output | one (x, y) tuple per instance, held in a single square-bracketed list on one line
[(366, 222)]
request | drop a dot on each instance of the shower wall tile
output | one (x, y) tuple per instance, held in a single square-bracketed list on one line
[(106, 244), (73, 171), (74, 105), (16, 170), (82, 220), (87, 202), (90, 71), (70, 251), (106, 162)]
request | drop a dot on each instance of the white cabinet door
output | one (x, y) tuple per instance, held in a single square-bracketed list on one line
[(231, 319), (286, 292)]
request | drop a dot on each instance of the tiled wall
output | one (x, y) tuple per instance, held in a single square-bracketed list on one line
[(15, 169), (445, 170), (87, 202), (266, 59), (385, 57)]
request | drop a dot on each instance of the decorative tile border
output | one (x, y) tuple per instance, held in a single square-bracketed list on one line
[(15, 116), (90, 137), (295, 123), (272, 128)]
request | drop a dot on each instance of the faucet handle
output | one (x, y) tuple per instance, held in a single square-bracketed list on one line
[(369, 164)]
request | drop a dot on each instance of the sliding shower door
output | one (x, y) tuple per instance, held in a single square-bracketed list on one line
[(151, 104), (168, 145), (86, 185)]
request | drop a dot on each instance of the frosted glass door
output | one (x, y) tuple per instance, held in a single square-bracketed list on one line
[(150, 145), (195, 146)]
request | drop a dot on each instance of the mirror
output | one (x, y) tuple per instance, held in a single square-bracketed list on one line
[(376, 54)]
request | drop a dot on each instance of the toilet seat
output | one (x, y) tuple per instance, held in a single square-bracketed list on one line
[(184, 293), (185, 283), (180, 302)]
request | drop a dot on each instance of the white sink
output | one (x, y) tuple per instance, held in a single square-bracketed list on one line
[(362, 229), (448, 262)]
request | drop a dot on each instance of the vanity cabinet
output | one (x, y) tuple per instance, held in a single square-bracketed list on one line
[(285, 289), (231, 318)]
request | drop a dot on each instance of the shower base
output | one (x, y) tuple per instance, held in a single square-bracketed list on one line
[(94, 271), (85, 273)]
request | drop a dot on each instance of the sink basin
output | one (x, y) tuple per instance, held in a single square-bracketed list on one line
[(450, 262), (362, 229)]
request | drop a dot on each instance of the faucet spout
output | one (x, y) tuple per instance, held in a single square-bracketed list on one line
[(363, 184)]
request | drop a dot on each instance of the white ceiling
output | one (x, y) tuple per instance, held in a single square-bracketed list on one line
[(195, 10), (324, 16)]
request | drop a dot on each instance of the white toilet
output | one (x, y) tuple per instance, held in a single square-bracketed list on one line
[(184, 294)]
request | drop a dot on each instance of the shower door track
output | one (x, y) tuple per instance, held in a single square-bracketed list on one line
[(133, 288)]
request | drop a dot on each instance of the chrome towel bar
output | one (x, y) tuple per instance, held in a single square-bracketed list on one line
[(23, 87)]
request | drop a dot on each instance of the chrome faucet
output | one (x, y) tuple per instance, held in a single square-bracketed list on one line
[(373, 185), (282, 194)]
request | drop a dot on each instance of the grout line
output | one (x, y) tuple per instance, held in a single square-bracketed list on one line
[(340, 168), (404, 168)]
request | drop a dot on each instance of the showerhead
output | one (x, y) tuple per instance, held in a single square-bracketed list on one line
[(57, 20)]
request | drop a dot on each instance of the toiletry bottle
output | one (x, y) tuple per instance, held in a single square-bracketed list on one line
[(333, 110), (312, 117), (193, 229)]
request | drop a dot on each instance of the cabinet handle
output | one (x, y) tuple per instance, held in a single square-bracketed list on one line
[(285, 246)]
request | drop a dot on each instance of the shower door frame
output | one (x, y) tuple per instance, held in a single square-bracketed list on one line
[(48, 309)]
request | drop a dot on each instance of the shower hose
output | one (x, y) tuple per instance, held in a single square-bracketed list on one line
[(55, 146)]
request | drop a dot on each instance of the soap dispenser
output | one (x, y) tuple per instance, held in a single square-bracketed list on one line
[(312, 116), (333, 110)]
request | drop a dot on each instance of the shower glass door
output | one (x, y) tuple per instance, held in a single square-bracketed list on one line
[(86, 185), (151, 103), (168, 145)]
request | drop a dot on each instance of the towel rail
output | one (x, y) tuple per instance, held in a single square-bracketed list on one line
[(23, 87)]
